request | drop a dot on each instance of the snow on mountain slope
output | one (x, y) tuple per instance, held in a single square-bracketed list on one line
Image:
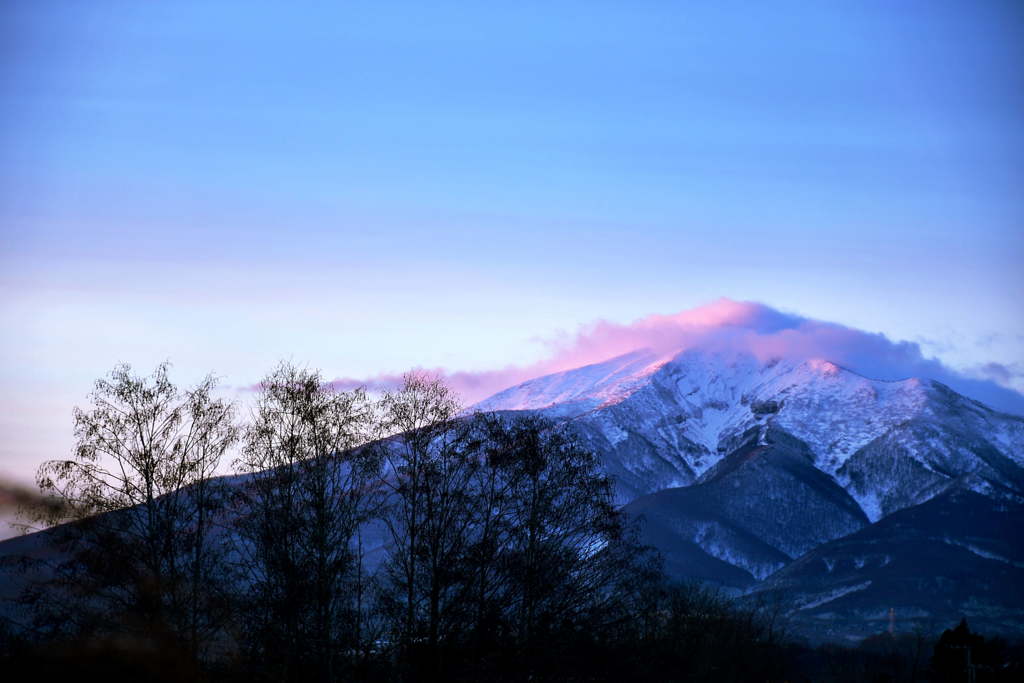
[(716, 396), (759, 508), (662, 422), (576, 391)]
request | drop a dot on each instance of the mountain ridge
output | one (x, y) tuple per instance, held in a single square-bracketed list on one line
[(681, 415), (741, 468)]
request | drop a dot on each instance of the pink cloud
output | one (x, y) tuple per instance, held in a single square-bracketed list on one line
[(722, 325)]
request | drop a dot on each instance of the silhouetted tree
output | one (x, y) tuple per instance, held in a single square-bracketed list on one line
[(515, 550), (138, 552), (309, 489), (427, 477), (961, 655), (694, 633), (563, 554)]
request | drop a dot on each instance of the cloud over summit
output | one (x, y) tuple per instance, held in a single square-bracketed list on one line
[(727, 325)]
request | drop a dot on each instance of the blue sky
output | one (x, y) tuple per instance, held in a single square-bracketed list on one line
[(366, 187)]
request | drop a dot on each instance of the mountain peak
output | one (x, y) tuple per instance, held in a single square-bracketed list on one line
[(826, 367)]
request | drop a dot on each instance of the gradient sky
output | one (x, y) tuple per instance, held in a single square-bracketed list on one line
[(367, 187)]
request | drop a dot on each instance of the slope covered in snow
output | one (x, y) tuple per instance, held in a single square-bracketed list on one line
[(578, 390), (759, 508), (661, 422)]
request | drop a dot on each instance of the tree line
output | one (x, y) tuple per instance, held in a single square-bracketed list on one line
[(391, 537)]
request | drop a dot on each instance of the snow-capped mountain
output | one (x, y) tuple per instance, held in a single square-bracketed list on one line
[(665, 422), (743, 468)]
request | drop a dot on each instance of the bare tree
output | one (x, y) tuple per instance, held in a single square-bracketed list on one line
[(503, 535), (310, 488), (561, 554), (138, 498), (427, 477)]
